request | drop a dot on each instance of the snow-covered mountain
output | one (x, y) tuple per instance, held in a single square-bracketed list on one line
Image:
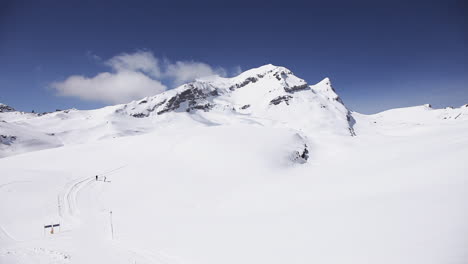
[(266, 96), (259, 168)]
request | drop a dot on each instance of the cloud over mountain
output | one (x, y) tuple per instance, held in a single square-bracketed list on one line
[(133, 76), (106, 87)]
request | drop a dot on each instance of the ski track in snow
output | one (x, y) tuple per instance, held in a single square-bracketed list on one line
[(37, 255), (13, 182), (68, 198), (5, 236)]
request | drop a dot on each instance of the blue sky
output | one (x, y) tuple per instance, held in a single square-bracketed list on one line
[(378, 54)]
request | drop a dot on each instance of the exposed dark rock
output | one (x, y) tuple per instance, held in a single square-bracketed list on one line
[(297, 88), (56, 110), (245, 107), (277, 76), (6, 108), (281, 75), (338, 99), (305, 153), (301, 156), (214, 93), (172, 104), (156, 106), (195, 97), (244, 83), (143, 114), (279, 99), (139, 115), (7, 140), (351, 122), (205, 107)]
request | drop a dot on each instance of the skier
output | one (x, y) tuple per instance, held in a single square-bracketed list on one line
[(96, 177)]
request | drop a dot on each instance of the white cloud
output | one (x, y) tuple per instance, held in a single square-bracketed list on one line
[(135, 75), (120, 87), (139, 61), (186, 71), (237, 70), (93, 56)]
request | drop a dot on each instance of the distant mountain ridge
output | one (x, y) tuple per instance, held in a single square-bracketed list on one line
[(6, 108)]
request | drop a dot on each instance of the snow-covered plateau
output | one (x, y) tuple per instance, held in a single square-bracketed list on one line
[(259, 168)]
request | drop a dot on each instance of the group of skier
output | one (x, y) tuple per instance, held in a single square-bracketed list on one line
[(97, 178)]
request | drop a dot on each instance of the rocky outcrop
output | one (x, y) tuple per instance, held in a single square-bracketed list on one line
[(244, 83), (351, 122), (297, 88), (6, 108), (301, 156), (280, 99), (190, 99), (195, 98), (7, 140)]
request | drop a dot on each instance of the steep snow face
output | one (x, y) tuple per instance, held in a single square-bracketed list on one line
[(268, 96)]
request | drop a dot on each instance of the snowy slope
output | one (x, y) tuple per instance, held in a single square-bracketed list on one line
[(410, 119), (16, 139), (194, 176), (230, 194)]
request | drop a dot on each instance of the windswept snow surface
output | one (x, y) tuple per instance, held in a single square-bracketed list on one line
[(231, 186)]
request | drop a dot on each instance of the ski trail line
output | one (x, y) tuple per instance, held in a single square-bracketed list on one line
[(4, 235), (67, 199)]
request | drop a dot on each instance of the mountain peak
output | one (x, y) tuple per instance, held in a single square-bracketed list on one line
[(268, 92), (263, 70), (268, 67), (325, 81), (6, 108)]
